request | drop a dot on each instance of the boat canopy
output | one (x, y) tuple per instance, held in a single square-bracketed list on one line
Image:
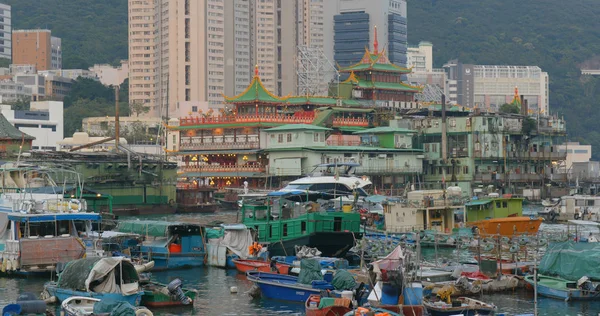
[(100, 275), (157, 228), (287, 193), (18, 217), (478, 202), (571, 260)]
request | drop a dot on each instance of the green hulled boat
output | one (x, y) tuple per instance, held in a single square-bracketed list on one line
[(160, 295)]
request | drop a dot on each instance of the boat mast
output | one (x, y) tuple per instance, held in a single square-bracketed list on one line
[(535, 276)]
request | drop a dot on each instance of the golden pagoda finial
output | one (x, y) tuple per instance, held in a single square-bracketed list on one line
[(516, 99), (375, 43)]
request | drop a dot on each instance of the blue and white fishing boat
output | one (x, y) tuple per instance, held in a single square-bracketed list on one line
[(33, 243), (170, 245), (112, 278), (285, 287)]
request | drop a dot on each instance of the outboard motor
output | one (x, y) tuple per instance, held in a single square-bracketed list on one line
[(175, 290)]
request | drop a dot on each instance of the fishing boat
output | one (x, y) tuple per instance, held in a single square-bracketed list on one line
[(227, 242), (34, 243), (196, 199), (493, 215), (113, 278), (245, 265), (159, 295), (171, 245), (285, 287), (564, 289), (84, 306), (305, 213), (460, 306), (569, 271)]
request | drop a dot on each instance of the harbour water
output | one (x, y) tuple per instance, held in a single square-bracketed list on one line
[(214, 297)]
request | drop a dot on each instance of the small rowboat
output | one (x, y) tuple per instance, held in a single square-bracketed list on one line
[(462, 306), (312, 307), (245, 265)]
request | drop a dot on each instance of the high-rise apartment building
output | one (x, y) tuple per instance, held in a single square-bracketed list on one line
[(141, 54), (349, 27), (36, 47), (197, 54), (5, 31)]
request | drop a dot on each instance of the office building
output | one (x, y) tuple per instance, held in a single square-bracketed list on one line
[(57, 87), (420, 57), (72, 74), (576, 153), (434, 80), (489, 86), (349, 27), (44, 121), (35, 83), (36, 47), (5, 31)]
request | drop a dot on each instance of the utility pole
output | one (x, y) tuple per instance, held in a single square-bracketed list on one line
[(117, 118)]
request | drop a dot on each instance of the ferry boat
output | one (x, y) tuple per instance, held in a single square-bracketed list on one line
[(305, 213)]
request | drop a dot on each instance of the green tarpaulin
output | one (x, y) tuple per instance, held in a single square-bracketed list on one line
[(343, 280), (571, 260), (145, 228), (310, 270)]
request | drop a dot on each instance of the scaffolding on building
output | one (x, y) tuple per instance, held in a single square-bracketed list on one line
[(430, 93), (314, 70)]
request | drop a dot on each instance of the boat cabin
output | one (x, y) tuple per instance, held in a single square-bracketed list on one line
[(425, 209), (494, 207), (37, 242), (169, 244)]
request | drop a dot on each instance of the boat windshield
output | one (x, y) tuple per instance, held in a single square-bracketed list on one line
[(297, 186)]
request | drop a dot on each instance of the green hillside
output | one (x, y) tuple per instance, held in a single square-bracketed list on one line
[(556, 35), (92, 31)]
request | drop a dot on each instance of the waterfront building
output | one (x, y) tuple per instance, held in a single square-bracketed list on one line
[(6, 34), (36, 47), (576, 152), (43, 121), (109, 75), (231, 147), (349, 27), (508, 151), (490, 86)]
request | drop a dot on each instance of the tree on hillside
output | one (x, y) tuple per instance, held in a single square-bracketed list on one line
[(83, 108), (510, 108), (22, 103), (90, 89), (138, 108)]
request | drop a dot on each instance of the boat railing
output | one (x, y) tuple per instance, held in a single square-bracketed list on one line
[(224, 168), (404, 229)]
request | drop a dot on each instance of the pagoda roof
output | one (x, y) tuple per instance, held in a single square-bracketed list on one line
[(384, 130), (297, 127), (375, 62), (255, 92), (9, 132), (320, 100)]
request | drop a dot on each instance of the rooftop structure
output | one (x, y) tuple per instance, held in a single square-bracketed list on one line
[(43, 121)]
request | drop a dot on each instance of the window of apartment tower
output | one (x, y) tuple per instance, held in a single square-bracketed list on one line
[(194, 109), (289, 137), (280, 138), (187, 7), (188, 96)]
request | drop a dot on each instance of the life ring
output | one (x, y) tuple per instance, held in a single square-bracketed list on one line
[(75, 205)]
